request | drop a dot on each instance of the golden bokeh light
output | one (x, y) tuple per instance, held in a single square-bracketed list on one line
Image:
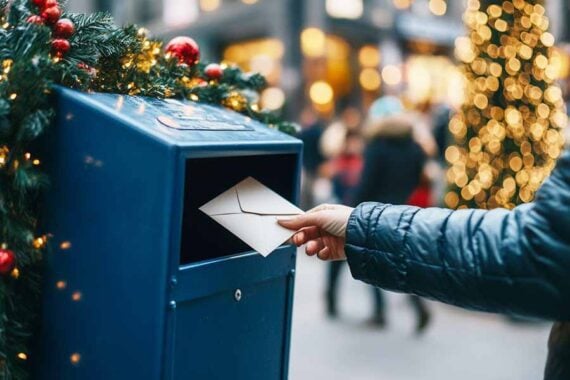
[(547, 39), (76, 296), (402, 4), (321, 93), (75, 358), (370, 79), (437, 7), (369, 56), (481, 101), (272, 98), (352, 9), (451, 199), (392, 75), (313, 42), (209, 5)]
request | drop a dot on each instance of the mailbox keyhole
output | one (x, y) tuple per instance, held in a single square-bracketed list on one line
[(237, 295)]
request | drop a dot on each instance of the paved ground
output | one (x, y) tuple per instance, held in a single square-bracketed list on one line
[(459, 345)]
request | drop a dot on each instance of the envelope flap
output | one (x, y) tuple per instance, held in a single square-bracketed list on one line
[(225, 203), (256, 198)]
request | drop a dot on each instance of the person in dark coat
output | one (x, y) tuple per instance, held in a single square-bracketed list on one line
[(393, 165), (393, 159), (513, 262)]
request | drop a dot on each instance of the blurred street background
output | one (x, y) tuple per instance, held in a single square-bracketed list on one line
[(458, 345), (333, 65)]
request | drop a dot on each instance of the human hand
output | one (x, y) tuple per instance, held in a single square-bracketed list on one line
[(323, 229)]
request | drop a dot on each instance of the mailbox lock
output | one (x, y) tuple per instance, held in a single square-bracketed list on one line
[(237, 295)]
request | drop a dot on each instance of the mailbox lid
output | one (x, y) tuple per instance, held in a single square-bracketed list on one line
[(182, 123)]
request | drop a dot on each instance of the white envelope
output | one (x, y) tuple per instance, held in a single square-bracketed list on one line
[(249, 210)]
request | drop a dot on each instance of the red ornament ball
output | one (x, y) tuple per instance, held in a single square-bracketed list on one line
[(64, 28), (35, 19), (51, 14), (60, 47), (7, 261), (214, 71), (185, 49), (50, 3), (39, 3)]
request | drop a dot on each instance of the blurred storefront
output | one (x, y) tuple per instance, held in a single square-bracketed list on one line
[(333, 53), (328, 54)]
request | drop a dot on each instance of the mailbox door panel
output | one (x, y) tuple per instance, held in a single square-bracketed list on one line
[(220, 338), (232, 318)]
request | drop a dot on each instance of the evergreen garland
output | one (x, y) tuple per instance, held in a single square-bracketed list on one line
[(102, 57)]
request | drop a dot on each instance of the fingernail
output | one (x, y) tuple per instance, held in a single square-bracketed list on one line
[(285, 218)]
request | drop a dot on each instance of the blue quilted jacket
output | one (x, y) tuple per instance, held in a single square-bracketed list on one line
[(514, 262)]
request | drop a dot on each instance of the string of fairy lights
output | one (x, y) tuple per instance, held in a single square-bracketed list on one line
[(509, 132)]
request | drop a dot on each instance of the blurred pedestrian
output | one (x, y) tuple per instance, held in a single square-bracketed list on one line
[(333, 139), (311, 133), (441, 118), (331, 146), (344, 172), (398, 145), (435, 169)]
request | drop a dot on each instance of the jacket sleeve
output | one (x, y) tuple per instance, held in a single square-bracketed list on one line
[(503, 261)]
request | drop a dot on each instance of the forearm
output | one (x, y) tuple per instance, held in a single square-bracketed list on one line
[(470, 258), (376, 245)]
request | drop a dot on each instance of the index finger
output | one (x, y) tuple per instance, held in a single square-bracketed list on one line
[(306, 234), (300, 221)]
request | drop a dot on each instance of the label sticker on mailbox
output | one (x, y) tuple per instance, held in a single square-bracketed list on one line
[(187, 116), (249, 210)]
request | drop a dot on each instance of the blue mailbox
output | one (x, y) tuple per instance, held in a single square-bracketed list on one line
[(140, 284)]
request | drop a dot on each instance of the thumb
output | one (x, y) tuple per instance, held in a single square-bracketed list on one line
[(300, 221)]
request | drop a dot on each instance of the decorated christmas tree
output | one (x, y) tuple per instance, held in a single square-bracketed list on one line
[(508, 134), (42, 46)]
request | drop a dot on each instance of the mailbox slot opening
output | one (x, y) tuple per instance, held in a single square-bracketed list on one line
[(204, 239)]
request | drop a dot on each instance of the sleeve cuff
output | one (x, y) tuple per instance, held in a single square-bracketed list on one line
[(375, 244)]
